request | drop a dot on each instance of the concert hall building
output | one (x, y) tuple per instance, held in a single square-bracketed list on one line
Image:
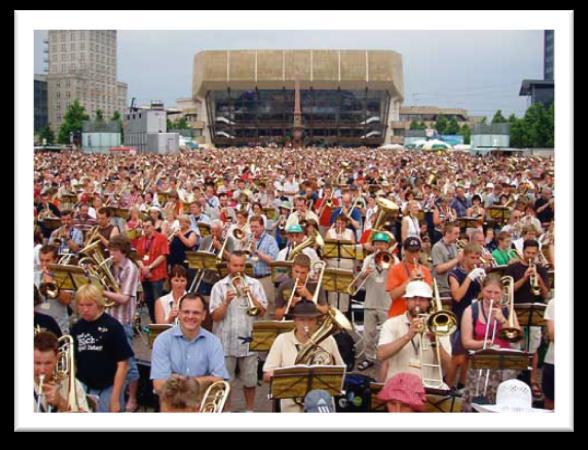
[(348, 97)]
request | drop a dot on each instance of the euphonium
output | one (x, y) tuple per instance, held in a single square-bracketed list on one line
[(215, 397), (65, 371), (311, 353)]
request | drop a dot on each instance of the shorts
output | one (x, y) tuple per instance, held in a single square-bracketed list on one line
[(534, 339), (548, 381), (247, 369), (456, 345)]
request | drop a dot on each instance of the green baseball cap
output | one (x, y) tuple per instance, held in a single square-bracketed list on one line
[(294, 229), (379, 236)]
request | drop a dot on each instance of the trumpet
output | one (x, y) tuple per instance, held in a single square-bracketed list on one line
[(534, 279), (241, 289), (382, 259)]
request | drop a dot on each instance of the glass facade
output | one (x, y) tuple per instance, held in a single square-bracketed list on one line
[(329, 116), (40, 105)]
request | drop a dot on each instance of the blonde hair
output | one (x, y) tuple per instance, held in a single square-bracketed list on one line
[(90, 292)]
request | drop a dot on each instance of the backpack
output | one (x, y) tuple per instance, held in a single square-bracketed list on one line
[(357, 397)]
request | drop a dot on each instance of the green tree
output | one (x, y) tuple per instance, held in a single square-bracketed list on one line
[(498, 117), (483, 121), (466, 132), (452, 126), (72, 121), (415, 125), (99, 115), (518, 137), (550, 136), (116, 117), (47, 134), (441, 124), (170, 125), (182, 124)]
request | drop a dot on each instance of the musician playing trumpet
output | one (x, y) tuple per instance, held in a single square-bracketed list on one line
[(530, 286), (50, 393), (232, 321), (66, 238), (402, 273), (377, 301)]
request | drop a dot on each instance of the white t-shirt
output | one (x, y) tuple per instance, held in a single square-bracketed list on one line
[(549, 315), (166, 303)]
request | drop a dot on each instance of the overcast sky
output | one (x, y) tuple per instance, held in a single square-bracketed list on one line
[(477, 70)]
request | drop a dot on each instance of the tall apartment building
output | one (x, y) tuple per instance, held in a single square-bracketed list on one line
[(82, 64)]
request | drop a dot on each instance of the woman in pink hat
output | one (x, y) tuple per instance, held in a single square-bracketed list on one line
[(404, 393)]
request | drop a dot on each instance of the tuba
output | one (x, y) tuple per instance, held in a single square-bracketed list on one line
[(311, 353), (215, 397)]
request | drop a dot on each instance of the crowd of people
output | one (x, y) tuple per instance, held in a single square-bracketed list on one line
[(423, 226)]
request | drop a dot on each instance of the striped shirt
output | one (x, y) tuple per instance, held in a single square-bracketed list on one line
[(237, 323), (127, 275)]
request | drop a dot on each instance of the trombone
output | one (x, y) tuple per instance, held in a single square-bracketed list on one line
[(382, 259), (440, 323), (534, 279), (241, 289)]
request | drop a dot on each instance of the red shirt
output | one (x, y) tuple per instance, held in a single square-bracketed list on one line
[(148, 249), (325, 218), (397, 275)]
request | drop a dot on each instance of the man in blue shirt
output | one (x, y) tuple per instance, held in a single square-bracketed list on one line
[(264, 250), (460, 203), (187, 349)]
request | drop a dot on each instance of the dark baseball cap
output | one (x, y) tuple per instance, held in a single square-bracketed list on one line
[(412, 244)]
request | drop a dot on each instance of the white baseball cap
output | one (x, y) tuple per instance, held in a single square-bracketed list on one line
[(418, 289), (490, 185)]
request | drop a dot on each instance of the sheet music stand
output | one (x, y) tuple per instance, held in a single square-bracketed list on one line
[(68, 277), (280, 270), (123, 213), (204, 229), (337, 280), (201, 260), (469, 222), (498, 269), (155, 329), (500, 359), (51, 224), (266, 331), (498, 214), (297, 381), (530, 315), (339, 249)]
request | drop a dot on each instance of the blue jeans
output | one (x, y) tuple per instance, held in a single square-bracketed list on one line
[(104, 396), (152, 290), (133, 373)]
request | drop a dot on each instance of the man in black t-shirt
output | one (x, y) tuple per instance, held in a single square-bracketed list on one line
[(101, 350), (464, 284), (544, 206), (300, 270), (521, 273)]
